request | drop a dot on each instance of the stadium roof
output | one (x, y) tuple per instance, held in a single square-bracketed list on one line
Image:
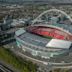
[(56, 43), (19, 32)]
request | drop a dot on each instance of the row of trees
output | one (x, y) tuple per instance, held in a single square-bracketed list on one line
[(22, 65)]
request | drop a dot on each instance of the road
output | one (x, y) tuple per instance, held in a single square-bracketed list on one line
[(54, 65), (4, 68)]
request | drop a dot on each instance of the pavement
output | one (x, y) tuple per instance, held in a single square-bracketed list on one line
[(3, 68)]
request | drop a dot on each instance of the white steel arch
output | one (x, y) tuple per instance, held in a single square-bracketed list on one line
[(55, 10)]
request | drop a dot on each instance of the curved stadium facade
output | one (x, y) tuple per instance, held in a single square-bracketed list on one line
[(45, 40)]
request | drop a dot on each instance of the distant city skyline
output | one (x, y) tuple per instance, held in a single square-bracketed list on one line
[(45, 1)]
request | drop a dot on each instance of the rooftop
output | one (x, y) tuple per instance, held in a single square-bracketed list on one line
[(59, 44)]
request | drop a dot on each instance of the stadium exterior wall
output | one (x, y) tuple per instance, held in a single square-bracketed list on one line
[(37, 52)]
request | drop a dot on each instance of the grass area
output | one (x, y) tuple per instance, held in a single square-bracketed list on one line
[(24, 66), (48, 37)]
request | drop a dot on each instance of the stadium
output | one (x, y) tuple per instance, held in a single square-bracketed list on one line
[(45, 39)]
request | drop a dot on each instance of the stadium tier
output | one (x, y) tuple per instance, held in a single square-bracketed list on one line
[(50, 31), (44, 41)]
